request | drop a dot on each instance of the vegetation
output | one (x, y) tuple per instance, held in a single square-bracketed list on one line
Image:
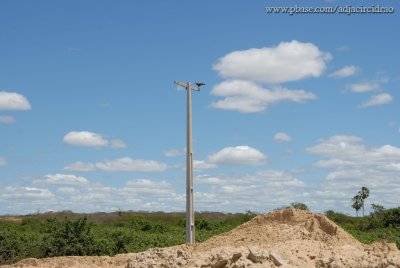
[(358, 199), (381, 224), (66, 233), (301, 206), (70, 234)]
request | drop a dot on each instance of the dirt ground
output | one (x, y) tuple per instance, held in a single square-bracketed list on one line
[(285, 238)]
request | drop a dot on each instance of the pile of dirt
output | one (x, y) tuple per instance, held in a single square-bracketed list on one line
[(285, 238)]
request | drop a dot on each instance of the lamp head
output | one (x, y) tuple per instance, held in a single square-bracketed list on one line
[(199, 84)]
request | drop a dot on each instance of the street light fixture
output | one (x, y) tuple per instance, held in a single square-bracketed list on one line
[(189, 160)]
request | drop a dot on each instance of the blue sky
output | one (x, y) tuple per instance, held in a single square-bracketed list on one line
[(296, 108)]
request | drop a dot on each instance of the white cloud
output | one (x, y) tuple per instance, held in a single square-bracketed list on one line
[(80, 166), (351, 164), (7, 119), (67, 190), (230, 193), (148, 188), (129, 164), (289, 61), (375, 100), (347, 161), (200, 164), (368, 86), (239, 155), (174, 152), (210, 180), (248, 97), (282, 137), (3, 161), (17, 194), (118, 144), (85, 139), (13, 101), (91, 139), (120, 164), (81, 196), (249, 191), (62, 179), (364, 87), (345, 72), (337, 145)]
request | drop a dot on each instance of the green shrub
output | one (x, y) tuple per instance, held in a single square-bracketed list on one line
[(203, 224), (391, 217), (34, 224), (69, 238), (248, 215), (15, 244), (340, 218), (301, 206), (368, 223)]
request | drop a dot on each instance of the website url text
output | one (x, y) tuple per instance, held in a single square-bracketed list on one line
[(347, 10)]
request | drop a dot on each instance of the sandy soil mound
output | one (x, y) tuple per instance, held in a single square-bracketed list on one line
[(286, 238)]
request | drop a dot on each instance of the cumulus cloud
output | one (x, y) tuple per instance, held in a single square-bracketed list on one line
[(364, 87), (289, 61), (120, 164), (62, 179), (248, 97), (91, 139), (130, 164), (368, 86), (13, 101), (80, 166), (210, 180), (345, 72), (375, 100), (85, 139), (3, 161), (7, 119), (239, 155), (353, 164), (337, 145), (348, 162), (282, 137), (200, 164), (81, 196), (141, 187), (16, 194), (118, 144), (174, 152), (250, 191)]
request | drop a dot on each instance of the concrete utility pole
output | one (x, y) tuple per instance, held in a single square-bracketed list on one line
[(189, 161)]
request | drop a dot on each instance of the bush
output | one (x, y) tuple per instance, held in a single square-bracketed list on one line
[(248, 215), (341, 218), (121, 241), (69, 238), (203, 225), (368, 223), (33, 224), (391, 217), (16, 244), (301, 206)]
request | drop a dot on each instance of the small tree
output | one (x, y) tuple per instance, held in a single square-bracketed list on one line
[(377, 208), (301, 206), (363, 193), (357, 203), (358, 199)]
